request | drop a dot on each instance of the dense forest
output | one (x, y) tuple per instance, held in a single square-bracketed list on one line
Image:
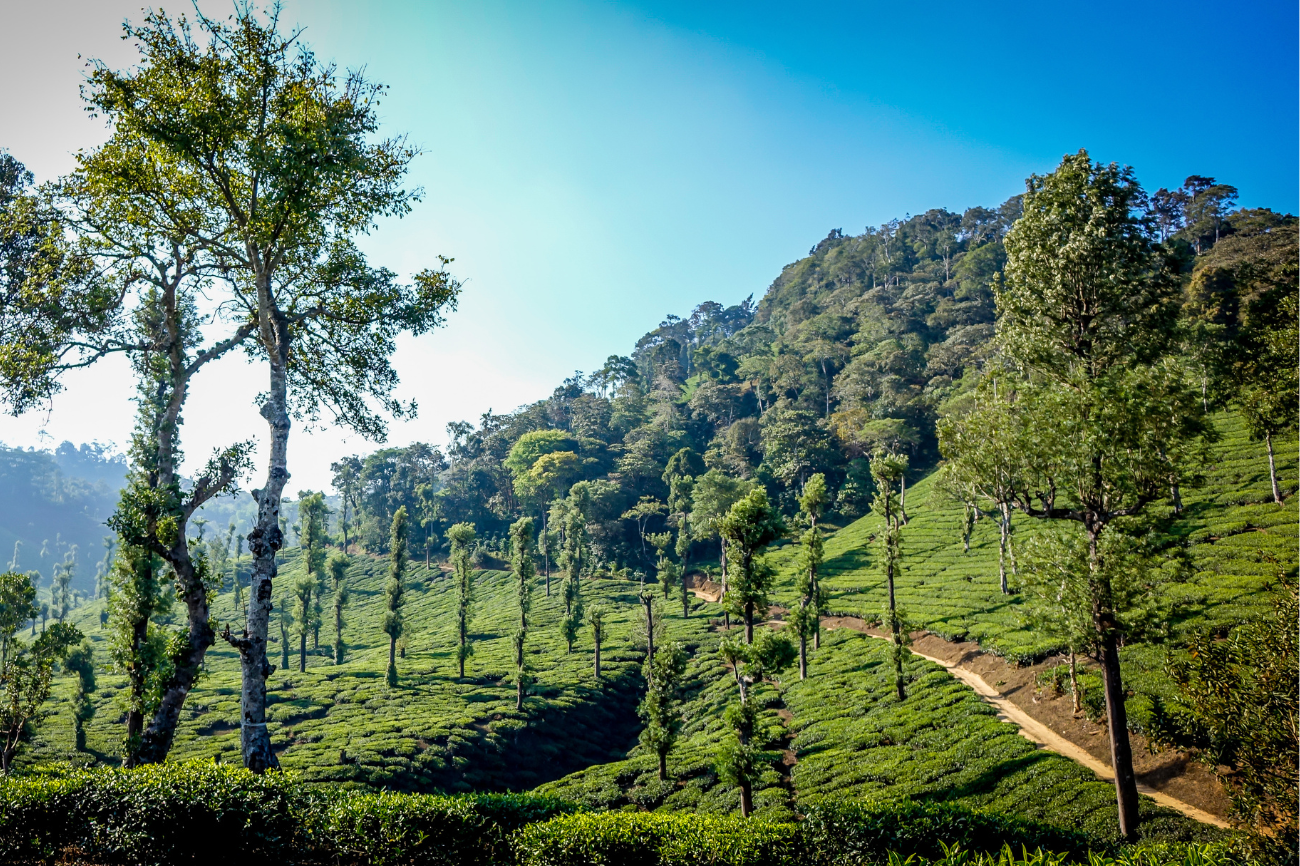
[(682, 609)]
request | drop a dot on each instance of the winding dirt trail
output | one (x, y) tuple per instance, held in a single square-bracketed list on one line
[(1034, 730)]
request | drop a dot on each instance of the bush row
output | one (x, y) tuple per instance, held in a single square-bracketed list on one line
[(184, 812), (179, 813)]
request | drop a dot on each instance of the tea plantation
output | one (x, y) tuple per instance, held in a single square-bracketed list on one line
[(343, 723)]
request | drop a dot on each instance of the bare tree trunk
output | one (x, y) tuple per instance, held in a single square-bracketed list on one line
[(1121, 751), (902, 499), (1074, 683), (1272, 468), (746, 799), (302, 652), (749, 622), (803, 651), (1002, 555), (264, 541), (663, 767), (597, 658)]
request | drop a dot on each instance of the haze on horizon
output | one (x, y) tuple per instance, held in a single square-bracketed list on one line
[(594, 167)]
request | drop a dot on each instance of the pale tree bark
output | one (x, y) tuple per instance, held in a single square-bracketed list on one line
[(1272, 468), (265, 540)]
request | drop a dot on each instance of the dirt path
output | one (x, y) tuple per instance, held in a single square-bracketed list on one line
[(963, 662)]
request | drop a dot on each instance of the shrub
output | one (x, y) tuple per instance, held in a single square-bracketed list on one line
[(658, 839), (852, 833), (174, 812)]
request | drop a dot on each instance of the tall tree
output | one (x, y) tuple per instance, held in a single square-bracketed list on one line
[(521, 562), (596, 619), (337, 567), (313, 515), (395, 590), (1103, 408), (271, 174), (80, 662), (886, 469), (17, 605), (304, 614), (750, 526), (347, 481), (658, 709), (461, 536)]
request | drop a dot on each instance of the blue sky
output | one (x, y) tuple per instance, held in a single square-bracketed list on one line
[(595, 166)]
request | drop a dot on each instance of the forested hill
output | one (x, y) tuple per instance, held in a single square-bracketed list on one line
[(856, 347), (852, 347), (54, 506)]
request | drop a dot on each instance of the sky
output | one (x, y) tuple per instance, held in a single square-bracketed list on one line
[(593, 167)]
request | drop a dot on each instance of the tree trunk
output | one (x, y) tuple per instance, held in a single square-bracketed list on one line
[(392, 656), (519, 695), (1176, 496), (598, 658), (803, 654), (749, 622), (663, 767), (302, 652), (1002, 556), (546, 553), (1272, 468), (902, 499), (897, 634), (1121, 751), (264, 541), (746, 799), (1074, 684)]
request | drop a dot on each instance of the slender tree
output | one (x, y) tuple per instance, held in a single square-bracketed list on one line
[(1102, 410), (886, 469), (521, 562), (813, 502), (304, 614), (659, 708), (741, 762), (337, 567), (80, 662), (750, 526), (271, 173), (596, 619), (17, 605), (395, 589), (461, 536)]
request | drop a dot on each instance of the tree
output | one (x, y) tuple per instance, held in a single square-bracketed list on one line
[(714, 494), (304, 615), (750, 663), (25, 686), (1241, 692), (596, 619), (395, 590), (61, 584), (337, 567), (1103, 412), (429, 515), (313, 513), (521, 562), (750, 525), (680, 474), (741, 761), (886, 469), (658, 709), (17, 605), (80, 662), (270, 175), (286, 620), (461, 536), (813, 502), (646, 508), (665, 570), (347, 481)]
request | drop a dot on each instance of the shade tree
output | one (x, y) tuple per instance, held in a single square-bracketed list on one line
[(751, 524), (461, 537), (395, 590)]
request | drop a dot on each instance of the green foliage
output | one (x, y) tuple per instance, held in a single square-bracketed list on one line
[(395, 589), (751, 524), (172, 813), (657, 839), (25, 686), (658, 709), (1241, 694)]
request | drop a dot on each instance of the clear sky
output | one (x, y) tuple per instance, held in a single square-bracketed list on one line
[(593, 167)]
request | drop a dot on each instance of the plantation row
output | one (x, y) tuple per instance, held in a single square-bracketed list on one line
[(173, 813)]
